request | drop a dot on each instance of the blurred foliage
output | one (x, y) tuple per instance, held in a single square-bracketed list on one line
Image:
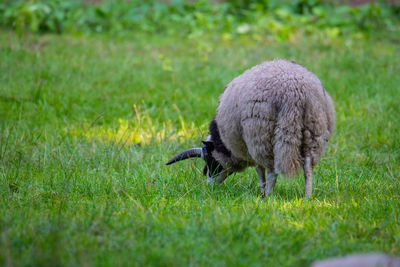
[(231, 18)]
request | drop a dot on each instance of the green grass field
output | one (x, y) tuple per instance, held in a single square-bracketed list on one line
[(87, 123)]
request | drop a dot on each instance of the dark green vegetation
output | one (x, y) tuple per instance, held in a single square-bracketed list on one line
[(236, 17), (87, 123)]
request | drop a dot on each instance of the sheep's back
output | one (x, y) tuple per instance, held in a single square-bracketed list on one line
[(265, 108)]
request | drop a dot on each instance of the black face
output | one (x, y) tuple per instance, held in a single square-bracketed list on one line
[(213, 168)]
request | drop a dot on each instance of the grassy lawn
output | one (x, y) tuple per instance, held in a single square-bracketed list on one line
[(88, 122)]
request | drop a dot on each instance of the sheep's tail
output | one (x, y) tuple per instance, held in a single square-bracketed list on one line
[(287, 159), (287, 142)]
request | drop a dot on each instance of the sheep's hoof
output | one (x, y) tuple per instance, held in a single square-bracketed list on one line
[(266, 194), (210, 181)]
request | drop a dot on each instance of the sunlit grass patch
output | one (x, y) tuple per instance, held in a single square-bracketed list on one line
[(136, 132)]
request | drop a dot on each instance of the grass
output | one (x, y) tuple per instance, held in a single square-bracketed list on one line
[(87, 123)]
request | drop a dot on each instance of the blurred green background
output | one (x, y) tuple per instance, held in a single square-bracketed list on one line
[(254, 18)]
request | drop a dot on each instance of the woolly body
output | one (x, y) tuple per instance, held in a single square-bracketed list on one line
[(273, 115)]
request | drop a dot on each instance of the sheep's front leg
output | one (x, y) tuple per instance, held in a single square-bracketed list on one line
[(223, 175), (261, 175), (308, 170)]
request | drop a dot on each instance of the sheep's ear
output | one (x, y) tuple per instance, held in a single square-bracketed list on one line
[(209, 145)]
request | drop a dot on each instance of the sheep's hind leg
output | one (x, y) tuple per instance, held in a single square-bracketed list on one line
[(261, 175), (266, 184), (308, 170), (271, 181)]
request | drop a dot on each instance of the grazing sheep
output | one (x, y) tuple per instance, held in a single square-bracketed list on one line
[(276, 116)]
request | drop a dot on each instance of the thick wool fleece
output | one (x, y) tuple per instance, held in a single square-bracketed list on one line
[(273, 115)]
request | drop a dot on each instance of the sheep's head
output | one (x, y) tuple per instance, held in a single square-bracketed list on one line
[(213, 169)]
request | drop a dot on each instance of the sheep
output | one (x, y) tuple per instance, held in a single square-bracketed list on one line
[(276, 116)]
